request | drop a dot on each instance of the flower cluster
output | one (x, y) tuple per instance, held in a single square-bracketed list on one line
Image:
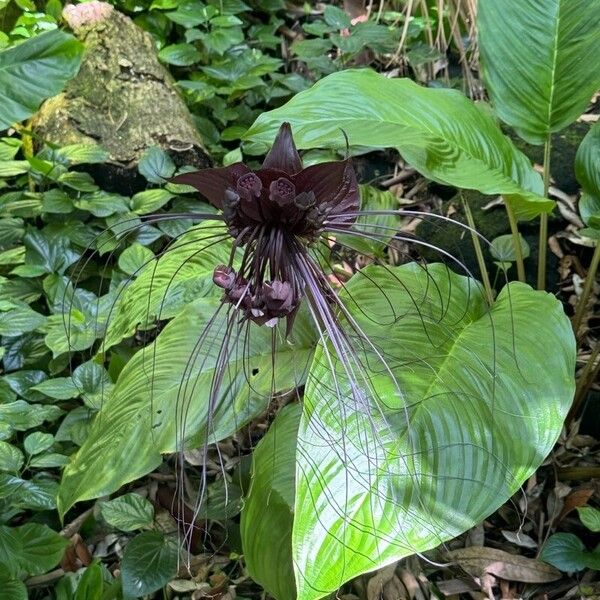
[(275, 213)]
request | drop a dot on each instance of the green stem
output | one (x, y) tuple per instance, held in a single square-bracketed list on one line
[(543, 240), (478, 252), (514, 229), (587, 290), (584, 382)]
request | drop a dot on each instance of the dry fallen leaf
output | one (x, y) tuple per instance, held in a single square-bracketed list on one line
[(480, 561)]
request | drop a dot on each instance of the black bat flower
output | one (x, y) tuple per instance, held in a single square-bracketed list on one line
[(287, 226), (274, 214)]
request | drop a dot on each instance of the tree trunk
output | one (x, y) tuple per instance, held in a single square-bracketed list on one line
[(122, 99)]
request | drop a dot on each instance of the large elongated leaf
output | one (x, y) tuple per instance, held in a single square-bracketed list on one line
[(35, 70), (166, 285), (165, 389), (468, 406), (440, 132), (268, 512), (540, 61)]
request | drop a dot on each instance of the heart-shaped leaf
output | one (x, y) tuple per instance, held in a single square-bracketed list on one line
[(450, 407), (539, 61), (438, 131), (149, 561)]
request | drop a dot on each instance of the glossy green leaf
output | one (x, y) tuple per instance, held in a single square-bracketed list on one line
[(425, 445), (150, 200), (40, 548), (268, 512), (91, 584), (590, 517), (567, 552), (78, 154), (180, 55), (37, 442), (11, 459), (18, 318), (539, 61), (587, 171), (10, 549), (127, 512), (170, 380), (502, 248), (156, 165), (12, 588), (35, 70), (134, 258), (149, 561), (438, 131), (177, 277)]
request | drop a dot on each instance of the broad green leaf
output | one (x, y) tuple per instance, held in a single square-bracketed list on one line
[(91, 584), (268, 512), (50, 459), (451, 409), (78, 154), (12, 588), (21, 415), (60, 388), (180, 55), (587, 171), (102, 204), (165, 388), (17, 319), (539, 61), (150, 200), (438, 131), (33, 71), (384, 225), (35, 494), (128, 512), (178, 276), (566, 552), (134, 258), (590, 517), (10, 549), (156, 165), (11, 459), (41, 548), (502, 248), (149, 561), (10, 168), (37, 442)]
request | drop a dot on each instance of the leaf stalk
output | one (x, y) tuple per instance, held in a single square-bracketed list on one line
[(543, 239)]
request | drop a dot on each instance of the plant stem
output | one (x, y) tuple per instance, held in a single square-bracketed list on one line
[(587, 289), (543, 240), (478, 252), (584, 382), (514, 229)]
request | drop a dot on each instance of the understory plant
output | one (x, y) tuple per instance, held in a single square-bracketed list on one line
[(423, 405), (406, 401)]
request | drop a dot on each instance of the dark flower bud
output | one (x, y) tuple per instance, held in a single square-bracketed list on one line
[(278, 296), (230, 204), (305, 200), (282, 191), (249, 185), (224, 277)]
